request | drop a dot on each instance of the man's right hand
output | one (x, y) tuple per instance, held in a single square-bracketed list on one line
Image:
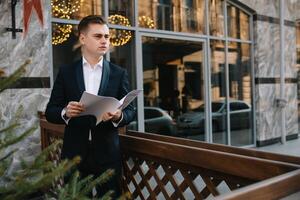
[(74, 108)]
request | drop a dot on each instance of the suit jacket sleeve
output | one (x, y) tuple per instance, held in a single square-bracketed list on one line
[(57, 101)]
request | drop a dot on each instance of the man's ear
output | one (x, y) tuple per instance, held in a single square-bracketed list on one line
[(81, 38)]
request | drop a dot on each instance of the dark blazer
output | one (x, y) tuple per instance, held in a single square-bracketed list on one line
[(69, 86)]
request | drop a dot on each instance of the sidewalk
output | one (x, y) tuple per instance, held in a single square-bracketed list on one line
[(291, 147)]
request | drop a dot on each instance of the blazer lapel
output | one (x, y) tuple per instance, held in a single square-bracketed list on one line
[(79, 76), (105, 77)]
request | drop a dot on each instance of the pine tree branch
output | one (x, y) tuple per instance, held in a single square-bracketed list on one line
[(9, 128), (6, 82), (19, 189), (6, 143), (103, 178)]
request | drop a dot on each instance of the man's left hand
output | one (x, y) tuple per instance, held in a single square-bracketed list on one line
[(115, 117)]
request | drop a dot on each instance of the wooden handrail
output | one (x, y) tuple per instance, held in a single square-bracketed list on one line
[(273, 188), (219, 147), (238, 165)]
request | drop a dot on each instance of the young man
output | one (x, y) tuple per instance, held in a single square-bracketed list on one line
[(98, 146)]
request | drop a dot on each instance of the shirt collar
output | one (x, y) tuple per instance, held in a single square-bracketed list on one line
[(85, 63)]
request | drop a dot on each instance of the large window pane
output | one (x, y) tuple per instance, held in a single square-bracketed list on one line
[(172, 15), (216, 16), (237, 23), (76, 9), (218, 92), (240, 94), (122, 54), (65, 45), (174, 87), (121, 12)]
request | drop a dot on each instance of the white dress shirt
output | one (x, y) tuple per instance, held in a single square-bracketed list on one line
[(92, 76)]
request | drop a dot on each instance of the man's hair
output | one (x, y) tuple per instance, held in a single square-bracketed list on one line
[(90, 19)]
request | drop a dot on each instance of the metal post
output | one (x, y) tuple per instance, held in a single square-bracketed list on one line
[(282, 74)]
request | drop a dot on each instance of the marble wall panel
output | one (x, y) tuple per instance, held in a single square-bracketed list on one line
[(263, 7), (268, 114), (35, 46), (267, 49), (271, 8), (290, 52), (13, 52)]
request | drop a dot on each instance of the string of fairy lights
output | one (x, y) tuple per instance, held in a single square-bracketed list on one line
[(64, 9), (119, 37)]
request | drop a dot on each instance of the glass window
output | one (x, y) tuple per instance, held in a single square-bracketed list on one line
[(216, 16), (172, 15), (237, 23), (152, 113), (218, 92), (173, 82), (76, 9), (235, 106), (240, 93), (122, 53), (121, 12), (65, 46)]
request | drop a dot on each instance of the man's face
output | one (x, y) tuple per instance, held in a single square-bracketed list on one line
[(95, 40)]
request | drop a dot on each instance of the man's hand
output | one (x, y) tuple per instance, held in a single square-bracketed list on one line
[(115, 117), (74, 108)]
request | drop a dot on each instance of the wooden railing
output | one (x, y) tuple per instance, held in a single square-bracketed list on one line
[(161, 167)]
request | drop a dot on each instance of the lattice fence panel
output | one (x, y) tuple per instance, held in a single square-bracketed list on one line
[(150, 179)]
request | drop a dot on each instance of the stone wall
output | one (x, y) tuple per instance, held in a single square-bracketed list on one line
[(33, 95), (267, 67)]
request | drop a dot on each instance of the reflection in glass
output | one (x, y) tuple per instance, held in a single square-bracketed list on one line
[(124, 57), (240, 94), (120, 37), (218, 92), (60, 33), (75, 9), (237, 23), (174, 87), (172, 15), (122, 11), (216, 16), (65, 52)]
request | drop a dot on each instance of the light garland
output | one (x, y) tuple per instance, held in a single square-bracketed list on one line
[(119, 37), (63, 9), (146, 22), (60, 33)]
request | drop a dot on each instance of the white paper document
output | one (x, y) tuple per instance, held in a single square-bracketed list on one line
[(98, 105)]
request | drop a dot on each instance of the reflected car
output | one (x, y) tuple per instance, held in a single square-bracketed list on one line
[(193, 123), (157, 121)]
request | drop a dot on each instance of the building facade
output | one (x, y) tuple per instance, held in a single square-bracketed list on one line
[(210, 70)]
